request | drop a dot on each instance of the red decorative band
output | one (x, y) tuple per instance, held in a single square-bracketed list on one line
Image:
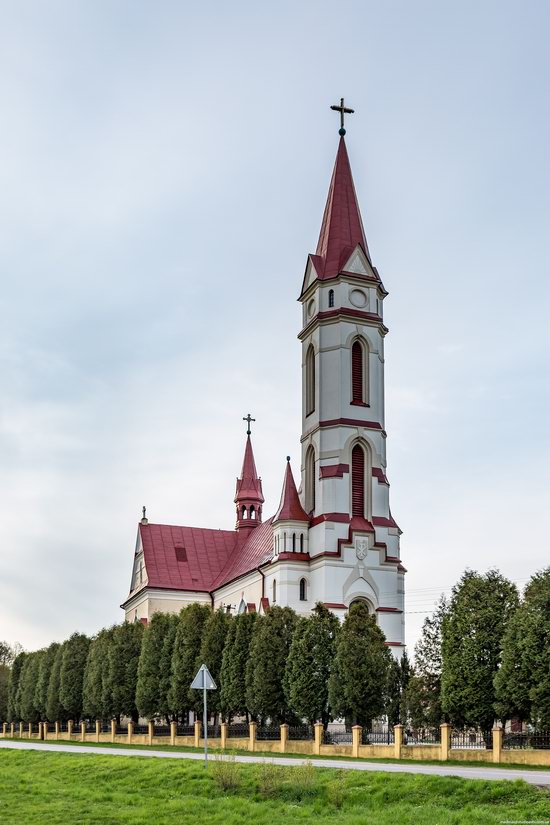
[(333, 470)]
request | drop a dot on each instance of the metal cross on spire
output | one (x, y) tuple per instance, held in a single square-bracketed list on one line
[(343, 110), (248, 418)]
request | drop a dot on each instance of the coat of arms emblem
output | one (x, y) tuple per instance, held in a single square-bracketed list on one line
[(361, 547)]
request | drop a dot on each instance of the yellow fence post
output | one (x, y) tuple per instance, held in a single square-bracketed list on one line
[(56, 731), (83, 731), (223, 735), (445, 741), (497, 744), (252, 741), (113, 730), (30, 730), (21, 730), (398, 734), (284, 737), (130, 732), (318, 738), (150, 732), (12, 730), (45, 728), (173, 731), (97, 729), (197, 733), (355, 739), (70, 727)]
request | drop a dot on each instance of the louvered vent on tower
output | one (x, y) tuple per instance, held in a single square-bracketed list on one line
[(357, 372), (358, 481)]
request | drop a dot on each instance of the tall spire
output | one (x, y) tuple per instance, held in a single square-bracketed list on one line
[(342, 227), (248, 495), (290, 508)]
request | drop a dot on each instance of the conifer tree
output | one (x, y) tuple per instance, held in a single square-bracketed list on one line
[(14, 714), (55, 712), (309, 665), (269, 649), (43, 681), (211, 653), (234, 663), (357, 685), (165, 668), (423, 695), (154, 666), (187, 645), (71, 677), (27, 687), (473, 628), (399, 675), (96, 675), (121, 677), (4, 690), (522, 685)]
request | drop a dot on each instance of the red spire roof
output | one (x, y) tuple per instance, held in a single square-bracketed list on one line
[(290, 507), (342, 227), (249, 486)]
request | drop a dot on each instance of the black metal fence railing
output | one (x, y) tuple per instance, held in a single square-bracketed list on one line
[(105, 727), (162, 730), (471, 739), (537, 740), (268, 733), (301, 732), (121, 730), (338, 736), (214, 731), (35, 727), (141, 729), (422, 737), (378, 737), (63, 727), (239, 730), (185, 730)]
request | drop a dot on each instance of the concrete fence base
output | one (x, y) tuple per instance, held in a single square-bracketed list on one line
[(441, 751)]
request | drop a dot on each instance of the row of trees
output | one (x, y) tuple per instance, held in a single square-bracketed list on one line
[(277, 667), (483, 653)]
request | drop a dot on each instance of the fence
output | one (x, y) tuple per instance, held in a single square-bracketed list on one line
[(527, 748)]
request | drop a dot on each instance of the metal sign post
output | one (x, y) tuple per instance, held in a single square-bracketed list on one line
[(204, 681)]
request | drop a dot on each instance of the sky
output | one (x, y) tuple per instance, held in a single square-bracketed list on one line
[(164, 168)]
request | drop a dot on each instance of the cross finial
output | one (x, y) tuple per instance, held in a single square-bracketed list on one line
[(144, 516), (248, 418), (342, 109)]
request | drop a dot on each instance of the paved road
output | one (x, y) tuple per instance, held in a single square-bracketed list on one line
[(532, 777)]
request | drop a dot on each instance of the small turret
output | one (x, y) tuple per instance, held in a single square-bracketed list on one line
[(290, 522), (248, 495)]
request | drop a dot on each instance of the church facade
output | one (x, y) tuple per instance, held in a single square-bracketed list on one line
[(334, 540)]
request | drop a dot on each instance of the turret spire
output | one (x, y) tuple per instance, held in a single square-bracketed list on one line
[(248, 495), (290, 508), (342, 227)]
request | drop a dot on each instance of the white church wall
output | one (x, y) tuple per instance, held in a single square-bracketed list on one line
[(248, 588)]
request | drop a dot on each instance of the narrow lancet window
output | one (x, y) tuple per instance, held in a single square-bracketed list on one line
[(310, 381), (358, 481)]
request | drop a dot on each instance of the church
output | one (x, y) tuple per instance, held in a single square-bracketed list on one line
[(333, 539)]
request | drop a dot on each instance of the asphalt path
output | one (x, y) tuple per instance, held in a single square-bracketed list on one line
[(532, 777)]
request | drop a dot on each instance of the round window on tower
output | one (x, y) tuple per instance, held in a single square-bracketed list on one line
[(311, 308), (358, 298)]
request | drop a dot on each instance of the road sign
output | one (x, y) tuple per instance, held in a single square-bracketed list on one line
[(203, 680)]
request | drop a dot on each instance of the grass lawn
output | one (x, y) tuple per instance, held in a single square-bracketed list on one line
[(50, 788)]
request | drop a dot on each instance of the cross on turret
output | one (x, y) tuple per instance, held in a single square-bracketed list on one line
[(343, 110), (248, 418)]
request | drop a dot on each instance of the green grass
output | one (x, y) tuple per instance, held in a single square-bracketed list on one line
[(66, 789), (237, 751)]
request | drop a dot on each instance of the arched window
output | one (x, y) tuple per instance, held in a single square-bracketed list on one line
[(301, 542), (358, 481), (310, 381), (252, 511), (294, 542), (331, 297), (303, 590), (310, 480), (274, 591), (358, 374), (243, 512), (284, 542)]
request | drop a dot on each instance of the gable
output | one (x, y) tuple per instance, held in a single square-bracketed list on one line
[(358, 263)]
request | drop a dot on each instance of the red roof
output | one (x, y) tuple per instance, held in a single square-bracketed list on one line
[(249, 486), (342, 227), (290, 508)]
